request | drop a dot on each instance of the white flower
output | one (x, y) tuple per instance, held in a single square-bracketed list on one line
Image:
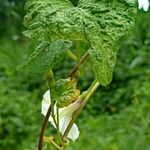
[(65, 115), (143, 4)]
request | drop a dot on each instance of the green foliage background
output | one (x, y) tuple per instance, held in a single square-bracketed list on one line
[(117, 117)]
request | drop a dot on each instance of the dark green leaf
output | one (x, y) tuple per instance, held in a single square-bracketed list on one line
[(46, 56)]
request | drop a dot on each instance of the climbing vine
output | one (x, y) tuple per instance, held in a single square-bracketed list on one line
[(60, 28)]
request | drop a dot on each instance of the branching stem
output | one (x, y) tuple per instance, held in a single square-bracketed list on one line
[(90, 92), (84, 99), (73, 73)]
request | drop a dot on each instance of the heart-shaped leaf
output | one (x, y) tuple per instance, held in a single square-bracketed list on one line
[(101, 23)]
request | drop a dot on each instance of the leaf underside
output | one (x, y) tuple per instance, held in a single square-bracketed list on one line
[(46, 56), (101, 23)]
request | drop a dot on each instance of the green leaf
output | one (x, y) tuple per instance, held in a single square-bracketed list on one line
[(46, 56), (52, 20), (101, 23), (112, 20), (64, 92)]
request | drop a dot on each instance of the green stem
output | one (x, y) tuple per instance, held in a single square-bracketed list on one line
[(50, 82), (91, 90), (51, 141), (58, 132), (73, 56), (78, 54), (53, 115), (57, 118), (89, 93)]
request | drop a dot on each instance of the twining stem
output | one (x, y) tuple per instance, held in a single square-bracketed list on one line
[(50, 82), (90, 92), (73, 73), (43, 128)]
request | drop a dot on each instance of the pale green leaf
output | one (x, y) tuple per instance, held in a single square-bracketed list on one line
[(112, 20), (64, 92)]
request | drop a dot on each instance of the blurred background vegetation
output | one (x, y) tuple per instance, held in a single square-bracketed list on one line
[(117, 117)]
